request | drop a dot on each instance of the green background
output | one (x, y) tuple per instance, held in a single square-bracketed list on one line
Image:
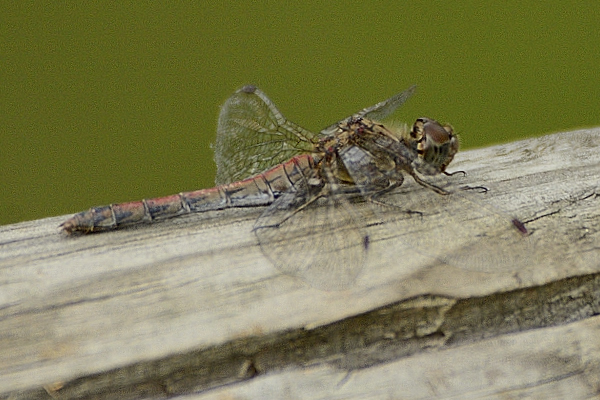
[(106, 102)]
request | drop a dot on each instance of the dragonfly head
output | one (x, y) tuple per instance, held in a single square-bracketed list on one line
[(435, 144)]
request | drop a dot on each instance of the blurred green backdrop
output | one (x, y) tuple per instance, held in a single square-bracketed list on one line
[(106, 102)]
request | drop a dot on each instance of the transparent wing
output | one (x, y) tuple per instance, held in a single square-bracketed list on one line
[(457, 229), (379, 111), (313, 234), (253, 136), (385, 108)]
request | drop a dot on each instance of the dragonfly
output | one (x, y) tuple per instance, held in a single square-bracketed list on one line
[(309, 182)]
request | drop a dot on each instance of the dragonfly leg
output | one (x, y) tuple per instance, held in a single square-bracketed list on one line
[(384, 204), (284, 201), (454, 173), (479, 189), (428, 185), (373, 199), (389, 188)]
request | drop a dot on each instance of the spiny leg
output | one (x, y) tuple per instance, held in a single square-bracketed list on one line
[(372, 198), (427, 185), (454, 173)]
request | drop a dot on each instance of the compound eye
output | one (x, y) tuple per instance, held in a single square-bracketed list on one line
[(435, 132)]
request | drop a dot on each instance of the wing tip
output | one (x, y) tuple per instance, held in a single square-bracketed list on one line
[(248, 89)]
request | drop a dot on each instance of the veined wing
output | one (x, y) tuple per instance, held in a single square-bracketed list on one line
[(377, 112), (253, 136), (463, 229), (312, 233), (444, 232)]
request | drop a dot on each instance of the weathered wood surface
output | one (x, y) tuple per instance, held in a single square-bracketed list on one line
[(191, 305)]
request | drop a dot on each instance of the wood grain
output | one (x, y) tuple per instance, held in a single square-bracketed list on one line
[(191, 305)]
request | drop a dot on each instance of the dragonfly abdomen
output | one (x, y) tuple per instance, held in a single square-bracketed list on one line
[(260, 190), (113, 216), (110, 217)]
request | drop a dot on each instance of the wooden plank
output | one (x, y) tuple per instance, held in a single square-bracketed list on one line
[(552, 363), (191, 304)]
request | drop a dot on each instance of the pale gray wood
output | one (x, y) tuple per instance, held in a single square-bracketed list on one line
[(191, 303), (552, 363)]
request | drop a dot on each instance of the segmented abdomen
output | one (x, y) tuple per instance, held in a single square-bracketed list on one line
[(259, 190)]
